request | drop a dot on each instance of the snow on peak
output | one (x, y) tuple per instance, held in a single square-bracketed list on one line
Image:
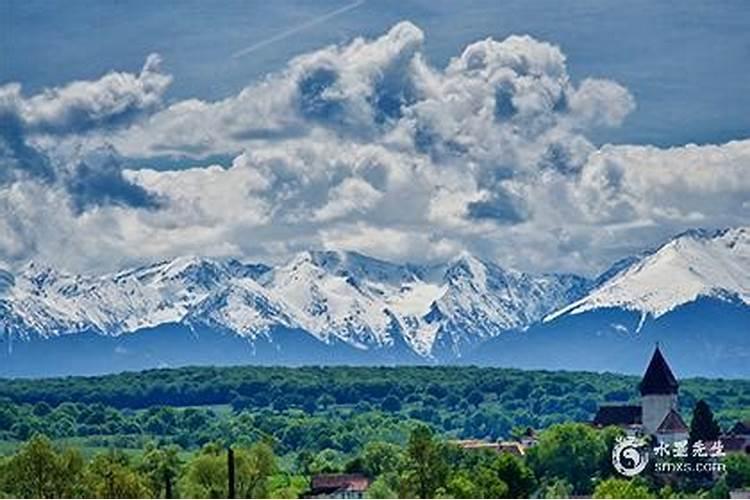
[(48, 302), (244, 307), (340, 296), (483, 299), (696, 263), (331, 300), (333, 295)]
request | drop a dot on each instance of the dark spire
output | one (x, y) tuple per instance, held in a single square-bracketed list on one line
[(658, 378)]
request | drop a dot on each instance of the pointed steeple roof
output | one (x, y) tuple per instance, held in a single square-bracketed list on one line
[(658, 378)]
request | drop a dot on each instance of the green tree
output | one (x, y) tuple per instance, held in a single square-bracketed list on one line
[(8, 416), (461, 485), (162, 468), (379, 458), (73, 466), (570, 451), (254, 467), (489, 483), (381, 488), (325, 401), (287, 486), (737, 470), (720, 489), (37, 470), (110, 475), (303, 462), (42, 409), (391, 404), (622, 488), (327, 461), (515, 474), (426, 468), (558, 488), (475, 398), (205, 476), (703, 426)]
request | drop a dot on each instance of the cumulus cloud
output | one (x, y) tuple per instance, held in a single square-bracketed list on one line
[(114, 99), (29, 126), (518, 88), (363, 146), (683, 185)]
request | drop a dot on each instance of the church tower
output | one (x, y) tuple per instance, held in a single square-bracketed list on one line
[(658, 393)]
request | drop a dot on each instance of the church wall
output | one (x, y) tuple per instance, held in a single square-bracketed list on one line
[(655, 407)]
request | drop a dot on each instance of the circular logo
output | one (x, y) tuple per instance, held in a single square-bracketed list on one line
[(630, 456)]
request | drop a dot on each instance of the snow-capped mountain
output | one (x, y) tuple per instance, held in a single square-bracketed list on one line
[(46, 302), (341, 298), (692, 294), (481, 299), (695, 264), (344, 307)]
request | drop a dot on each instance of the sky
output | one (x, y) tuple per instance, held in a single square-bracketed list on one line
[(539, 135)]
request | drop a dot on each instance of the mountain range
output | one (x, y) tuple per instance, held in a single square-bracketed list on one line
[(335, 307)]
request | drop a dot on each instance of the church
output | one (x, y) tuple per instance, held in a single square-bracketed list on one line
[(658, 414)]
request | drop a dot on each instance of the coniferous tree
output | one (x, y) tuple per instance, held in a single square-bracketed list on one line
[(427, 469), (703, 427)]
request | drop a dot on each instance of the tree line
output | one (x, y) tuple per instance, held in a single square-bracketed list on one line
[(513, 397)]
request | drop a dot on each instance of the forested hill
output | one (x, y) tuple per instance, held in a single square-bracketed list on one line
[(536, 397)]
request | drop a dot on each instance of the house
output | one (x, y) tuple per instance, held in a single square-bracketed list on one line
[(513, 447), (627, 417), (672, 429), (338, 486), (529, 438), (737, 440), (658, 414)]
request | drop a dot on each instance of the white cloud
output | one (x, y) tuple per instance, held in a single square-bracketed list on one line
[(352, 195), (83, 105), (600, 102), (669, 186), (366, 146)]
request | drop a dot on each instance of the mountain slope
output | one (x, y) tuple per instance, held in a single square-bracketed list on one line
[(482, 298), (395, 312), (706, 337), (333, 306), (46, 302), (692, 294), (694, 264)]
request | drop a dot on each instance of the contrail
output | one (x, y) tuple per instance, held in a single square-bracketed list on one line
[(297, 29)]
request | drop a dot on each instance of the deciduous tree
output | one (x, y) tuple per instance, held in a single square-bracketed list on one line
[(571, 451)]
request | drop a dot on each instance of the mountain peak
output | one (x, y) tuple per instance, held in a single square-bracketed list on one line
[(40, 274), (468, 265), (336, 296), (707, 234), (697, 263)]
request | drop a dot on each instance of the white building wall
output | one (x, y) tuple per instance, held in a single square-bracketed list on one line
[(671, 439), (654, 408)]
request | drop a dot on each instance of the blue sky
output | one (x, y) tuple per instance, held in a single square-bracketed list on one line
[(542, 135), (686, 62)]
